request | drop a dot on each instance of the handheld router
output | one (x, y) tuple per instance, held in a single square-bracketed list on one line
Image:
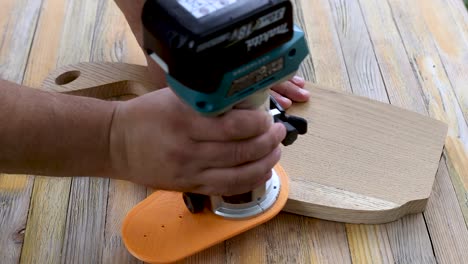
[(224, 54)]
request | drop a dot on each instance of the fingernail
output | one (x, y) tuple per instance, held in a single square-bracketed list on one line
[(298, 79), (304, 92)]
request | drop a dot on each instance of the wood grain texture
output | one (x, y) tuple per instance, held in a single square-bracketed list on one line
[(410, 242), (398, 77), (362, 240), (438, 93), (366, 76), (412, 143), (452, 46), (15, 190), (17, 26), (114, 42), (326, 242), (315, 18), (122, 197), (84, 233), (451, 43), (362, 67), (47, 221), (445, 221), (342, 164)]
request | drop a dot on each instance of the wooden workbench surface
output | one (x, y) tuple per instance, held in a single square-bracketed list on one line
[(413, 54)]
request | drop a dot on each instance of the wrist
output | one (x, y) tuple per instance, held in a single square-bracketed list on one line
[(116, 149)]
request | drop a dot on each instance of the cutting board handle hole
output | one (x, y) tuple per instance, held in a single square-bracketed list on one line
[(67, 77)]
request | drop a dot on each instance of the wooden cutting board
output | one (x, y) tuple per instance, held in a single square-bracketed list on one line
[(362, 161)]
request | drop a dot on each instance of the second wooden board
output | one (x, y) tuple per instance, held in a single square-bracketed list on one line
[(362, 161)]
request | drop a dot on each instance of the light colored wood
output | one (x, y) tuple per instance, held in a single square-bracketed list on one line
[(399, 76), (445, 221), (114, 41), (363, 70), (325, 237), (106, 245), (326, 241), (358, 60), (15, 190), (410, 245), (103, 80), (68, 43), (345, 135), (122, 197), (362, 238), (43, 213), (452, 46), (84, 233), (436, 87), (344, 150), (17, 26), (315, 18), (367, 78)]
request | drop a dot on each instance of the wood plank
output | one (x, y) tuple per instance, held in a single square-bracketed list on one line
[(111, 35), (17, 26), (401, 85), (329, 96), (280, 240), (451, 43), (113, 39), (114, 42), (66, 44), (436, 87), (18, 20), (449, 235), (86, 217), (458, 9), (362, 241), (328, 66), (325, 240), (410, 240), (362, 67), (122, 197), (123, 79), (84, 233), (366, 79), (15, 193)]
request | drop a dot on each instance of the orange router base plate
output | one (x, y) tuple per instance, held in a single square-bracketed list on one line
[(160, 229)]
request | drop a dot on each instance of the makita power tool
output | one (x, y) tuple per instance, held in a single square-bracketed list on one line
[(224, 54)]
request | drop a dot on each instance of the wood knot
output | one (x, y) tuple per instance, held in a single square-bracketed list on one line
[(18, 236)]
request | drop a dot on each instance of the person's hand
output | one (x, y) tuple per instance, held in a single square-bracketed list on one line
[(290, 91), (158, 141)]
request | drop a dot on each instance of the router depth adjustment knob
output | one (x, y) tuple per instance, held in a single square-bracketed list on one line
[(295, 125)]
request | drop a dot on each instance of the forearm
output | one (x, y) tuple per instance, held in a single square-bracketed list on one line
[(53, 134)]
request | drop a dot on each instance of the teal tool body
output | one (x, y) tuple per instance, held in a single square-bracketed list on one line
[(224, 54)]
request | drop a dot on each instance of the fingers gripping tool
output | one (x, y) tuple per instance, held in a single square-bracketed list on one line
[(225, 54)]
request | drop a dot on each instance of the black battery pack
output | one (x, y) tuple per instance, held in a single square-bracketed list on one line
[(197, 42)]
